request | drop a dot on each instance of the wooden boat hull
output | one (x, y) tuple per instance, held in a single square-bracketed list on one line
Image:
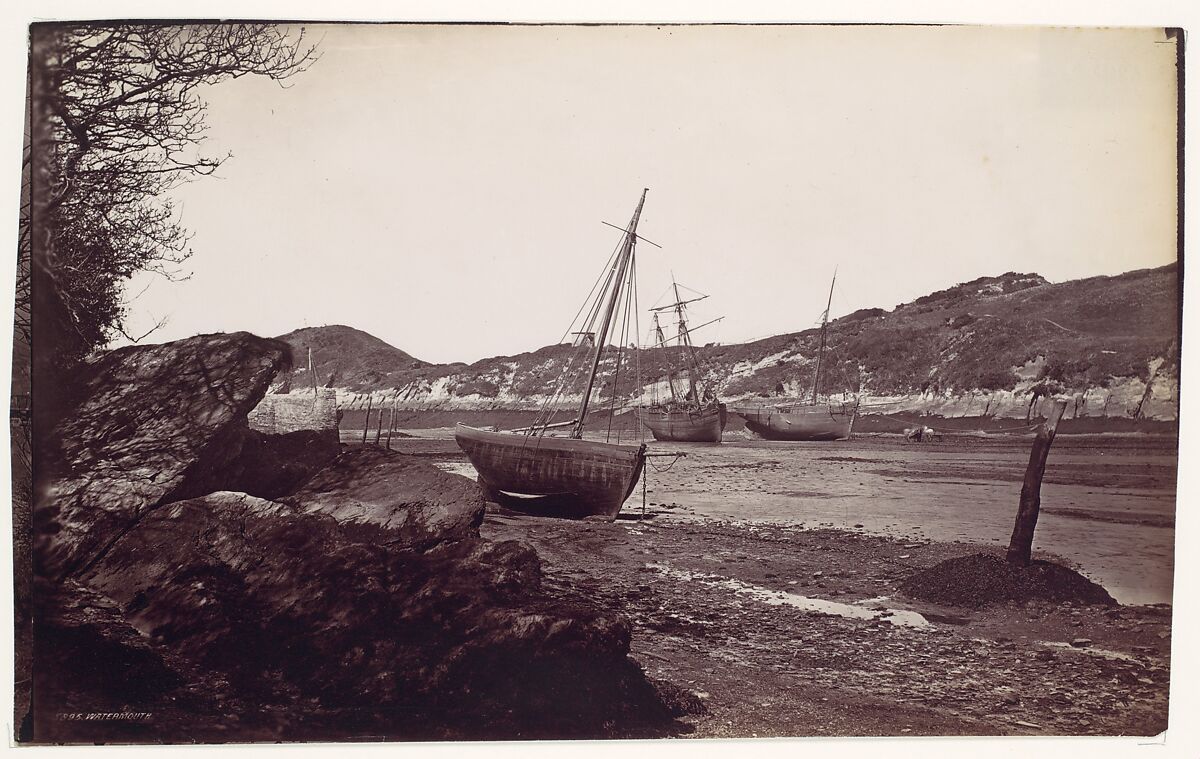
[(577, 478), (703, 425), (819, 422)]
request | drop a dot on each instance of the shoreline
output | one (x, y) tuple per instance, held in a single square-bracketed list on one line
[(407, 419), (1104, 498)]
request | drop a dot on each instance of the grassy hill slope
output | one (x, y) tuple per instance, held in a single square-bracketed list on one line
[(1013, 335), (346, 357)]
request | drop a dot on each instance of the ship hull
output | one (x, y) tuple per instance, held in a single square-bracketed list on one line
[(567, 477), (703, 425), (818, 423)]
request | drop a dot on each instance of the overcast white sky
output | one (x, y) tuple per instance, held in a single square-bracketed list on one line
[(442, 187)]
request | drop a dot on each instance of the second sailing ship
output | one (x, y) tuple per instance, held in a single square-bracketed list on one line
[(692, 414)]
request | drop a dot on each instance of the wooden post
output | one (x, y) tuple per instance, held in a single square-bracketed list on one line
[(392, 420), (1021, 545), (379, 426), (367, 421)]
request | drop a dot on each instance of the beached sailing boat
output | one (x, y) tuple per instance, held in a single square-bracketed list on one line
[(814, 420), (569, 476), (694, 414)]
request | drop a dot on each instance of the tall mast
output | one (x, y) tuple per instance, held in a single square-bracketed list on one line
[(661, 339), (824, 329), (685, 340), (620, 265)]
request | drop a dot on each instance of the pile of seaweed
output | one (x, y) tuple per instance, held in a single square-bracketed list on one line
[(985, 579)]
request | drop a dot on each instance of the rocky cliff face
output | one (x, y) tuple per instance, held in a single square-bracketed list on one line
[(989, 347), (351, 596)]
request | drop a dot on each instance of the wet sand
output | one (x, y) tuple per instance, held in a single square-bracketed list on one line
[(766, 582), (1108, 501)]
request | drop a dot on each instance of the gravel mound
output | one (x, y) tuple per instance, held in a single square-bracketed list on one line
[(984, 579)]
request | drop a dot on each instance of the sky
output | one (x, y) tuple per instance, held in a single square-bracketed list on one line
[(443, 187)]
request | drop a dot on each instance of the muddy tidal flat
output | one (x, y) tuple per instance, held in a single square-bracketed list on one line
[(766, 583)]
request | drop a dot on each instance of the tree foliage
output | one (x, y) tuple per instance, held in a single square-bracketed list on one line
[(116, 121), (123, 125)]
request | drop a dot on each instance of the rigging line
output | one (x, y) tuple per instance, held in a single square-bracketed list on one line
[(626, 406), (587, 299), (635, 234), (679, 303), (689, 331), (625, 331), (630, 284), (612, 402), (548, 411), (637, 364), (660, 296), (612, 300), (545, 412), (629, 301), (548, 408), (589, 323), (568, 379), (606, 275)]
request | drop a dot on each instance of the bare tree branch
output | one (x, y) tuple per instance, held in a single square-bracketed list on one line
[(124, 124), (158, 324)]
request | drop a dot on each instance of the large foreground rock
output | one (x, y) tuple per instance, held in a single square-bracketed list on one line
[(154, 423), (347, 594), (292, 615)]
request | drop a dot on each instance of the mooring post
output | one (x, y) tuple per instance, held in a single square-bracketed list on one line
[(367, 421), (392, 420), (379, 425), (1020, 546)]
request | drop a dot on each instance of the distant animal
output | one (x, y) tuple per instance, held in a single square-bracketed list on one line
[(921, 435)]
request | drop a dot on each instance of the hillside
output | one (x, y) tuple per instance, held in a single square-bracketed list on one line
[(345, 357), (991, 347)]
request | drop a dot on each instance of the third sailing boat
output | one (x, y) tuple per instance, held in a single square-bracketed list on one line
[(814, 420)]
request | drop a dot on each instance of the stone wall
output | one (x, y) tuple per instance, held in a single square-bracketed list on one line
[(279, 414)]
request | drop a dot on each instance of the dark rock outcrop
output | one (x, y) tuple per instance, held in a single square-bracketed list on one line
[(270, 466), (289, 611), (361, 602), (153, 420), (401, 501), (98, 651)]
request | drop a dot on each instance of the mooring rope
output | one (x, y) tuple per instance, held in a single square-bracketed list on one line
[(674, 461)]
